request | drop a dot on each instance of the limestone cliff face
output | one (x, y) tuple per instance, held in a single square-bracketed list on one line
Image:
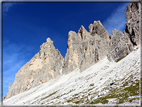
[(120, 46), (83, 49), (133, 22), (73, 55), (96, 46), (45, 65), (86, 48), (122, 43)]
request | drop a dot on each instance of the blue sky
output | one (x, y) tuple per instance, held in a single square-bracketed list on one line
[(27, 25)]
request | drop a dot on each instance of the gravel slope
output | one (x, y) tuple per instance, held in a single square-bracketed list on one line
[(87, 87)]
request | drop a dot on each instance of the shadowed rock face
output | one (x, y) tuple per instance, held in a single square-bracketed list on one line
[(45, 65), (122, 43), (90, 47), (132, 24), (83, 50), (120, 46)]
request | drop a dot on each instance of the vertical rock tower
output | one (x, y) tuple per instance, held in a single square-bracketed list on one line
[(44, 66), (122, 43), (83, 50), (86, 48)]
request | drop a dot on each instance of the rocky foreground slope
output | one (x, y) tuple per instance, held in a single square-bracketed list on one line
[(115, 83), (84, 49)]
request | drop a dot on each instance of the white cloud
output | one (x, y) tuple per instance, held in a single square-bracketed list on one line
[(9, 74), (117, 19), (12, 63), (7, 6), (14, 57)]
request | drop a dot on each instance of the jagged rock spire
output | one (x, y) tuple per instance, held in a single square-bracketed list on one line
[(120, 46), (45, 65), (96, 28), (122, 43), (84, 34), (72, 57), (83, 50), (48, 40), (133, 21), (73, 39)]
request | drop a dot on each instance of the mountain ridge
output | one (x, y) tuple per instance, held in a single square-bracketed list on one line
[(83, 50), (105, 82)]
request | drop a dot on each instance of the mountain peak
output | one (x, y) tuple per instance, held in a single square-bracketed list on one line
[(98, 22), (83, 50), (84, 33), (48, 40), (96, 28)]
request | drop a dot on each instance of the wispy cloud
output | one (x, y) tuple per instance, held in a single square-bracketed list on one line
[(7, 6), (14, 57), (9, 75), (117, 19)]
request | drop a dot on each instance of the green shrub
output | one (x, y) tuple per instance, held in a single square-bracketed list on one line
[(92, 84), (90, 89), (105, 101), (120, 59)]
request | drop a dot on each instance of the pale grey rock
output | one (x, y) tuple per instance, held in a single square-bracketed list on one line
[(96, 48), (44, 66), (73, 56), (85, 48), (120, 46), (96, 28), (84, 34)]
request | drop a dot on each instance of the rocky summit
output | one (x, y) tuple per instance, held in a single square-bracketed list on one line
[(84, 49), (132, 24), (44, 66)]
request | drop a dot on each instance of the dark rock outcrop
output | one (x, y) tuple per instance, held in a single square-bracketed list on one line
[(3, 98), (132, 24), (122, 43)]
